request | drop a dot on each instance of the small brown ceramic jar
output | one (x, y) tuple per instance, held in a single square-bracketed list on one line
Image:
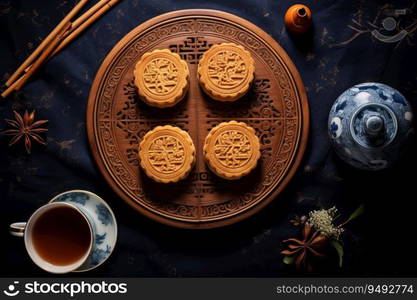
[(298, 18)]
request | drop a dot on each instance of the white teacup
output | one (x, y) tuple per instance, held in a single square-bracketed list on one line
[(33, 237), (82, 239)]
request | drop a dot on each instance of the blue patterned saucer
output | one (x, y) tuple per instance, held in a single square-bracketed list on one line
[(103, 220)]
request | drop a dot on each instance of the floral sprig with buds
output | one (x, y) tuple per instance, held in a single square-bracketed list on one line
[(319, 233)]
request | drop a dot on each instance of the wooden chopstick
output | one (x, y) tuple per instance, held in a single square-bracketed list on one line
[(77, 22), (46, 41), (12, 87), (103, 8), (95, 12), (44, 55), (17, 85), (60, 38)]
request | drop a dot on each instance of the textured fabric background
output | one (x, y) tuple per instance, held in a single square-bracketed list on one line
[(333, 58)]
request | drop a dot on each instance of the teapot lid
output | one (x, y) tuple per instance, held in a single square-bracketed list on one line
[(373, 125)]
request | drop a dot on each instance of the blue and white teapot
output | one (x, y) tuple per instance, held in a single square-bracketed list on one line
[(369, 125)]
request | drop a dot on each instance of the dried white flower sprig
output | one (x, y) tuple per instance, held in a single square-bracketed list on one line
[(318, 233), (322, 220)]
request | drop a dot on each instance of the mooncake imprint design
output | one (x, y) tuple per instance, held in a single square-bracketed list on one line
[(162, 78), (167, 154), (232, 149), (226, 71)]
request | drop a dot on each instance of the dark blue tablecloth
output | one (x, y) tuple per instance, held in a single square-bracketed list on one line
[(340, 52)]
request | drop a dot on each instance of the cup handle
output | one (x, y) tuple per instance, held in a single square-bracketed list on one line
[(17, 229)]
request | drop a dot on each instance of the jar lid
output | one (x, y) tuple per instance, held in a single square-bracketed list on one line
[(374, 125)]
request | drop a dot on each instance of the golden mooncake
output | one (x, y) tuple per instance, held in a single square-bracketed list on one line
[(162, 78), (226, 71), (232, 149), (167, 154)]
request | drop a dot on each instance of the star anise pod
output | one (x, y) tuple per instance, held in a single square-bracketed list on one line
[(303, 251), (25, 128)]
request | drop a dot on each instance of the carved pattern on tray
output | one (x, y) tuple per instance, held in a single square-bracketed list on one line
[(191, 49), (275, 117)]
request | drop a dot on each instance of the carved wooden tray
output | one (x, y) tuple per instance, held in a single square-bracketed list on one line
[(276, 107)]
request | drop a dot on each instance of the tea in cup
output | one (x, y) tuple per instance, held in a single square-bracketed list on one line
[(75, 231)]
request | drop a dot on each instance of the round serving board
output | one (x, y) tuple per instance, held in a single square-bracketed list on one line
[(276, 106)]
